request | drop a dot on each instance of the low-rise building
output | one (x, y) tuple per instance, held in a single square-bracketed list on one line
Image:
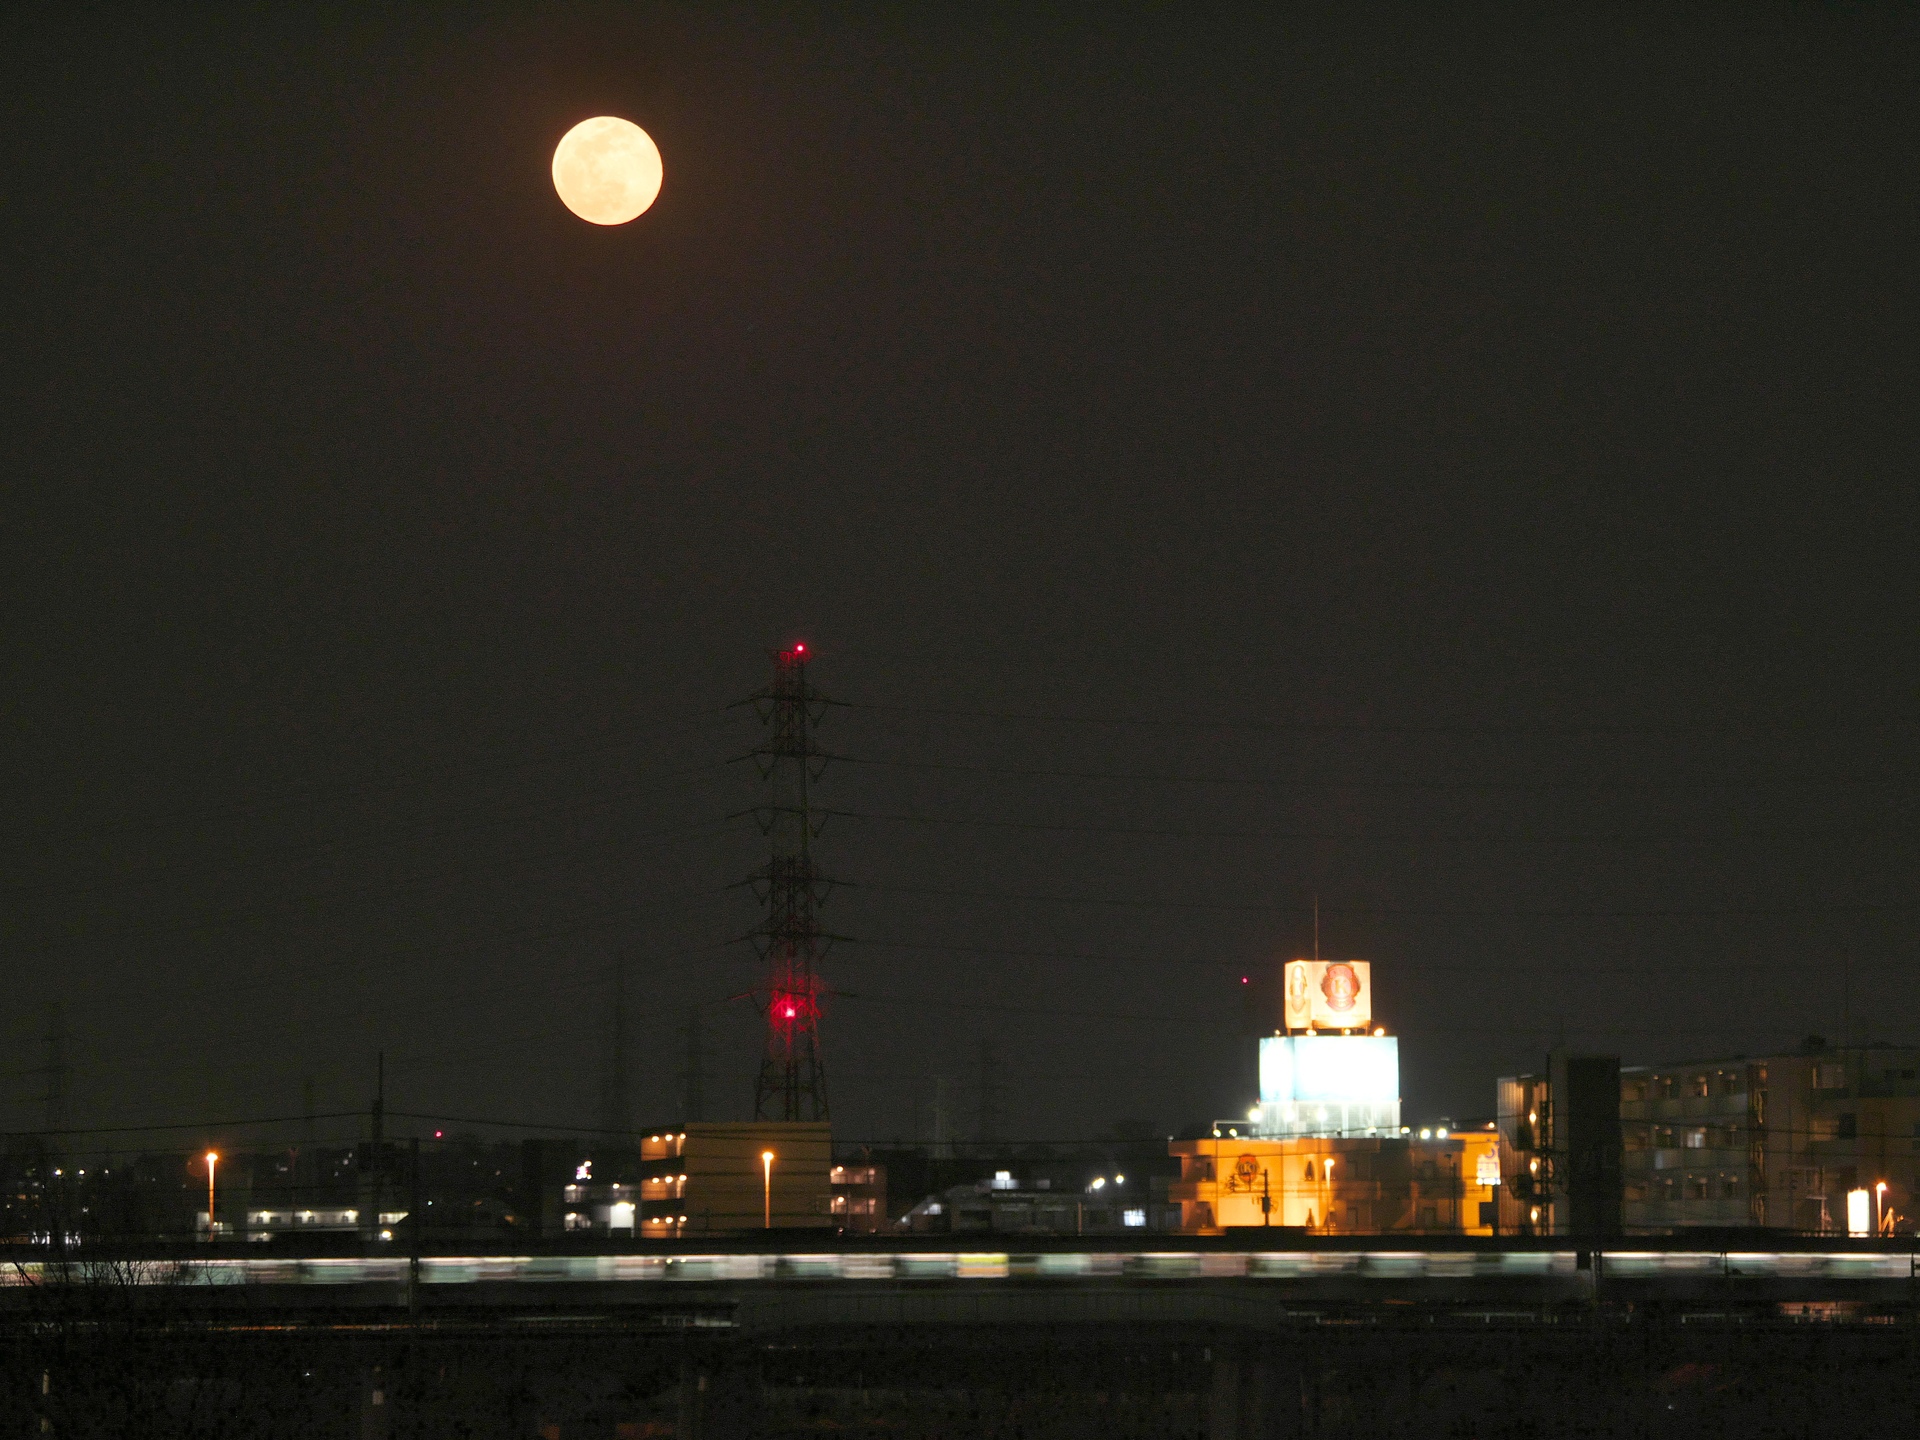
[(1822, 1141), (721, 1178), (1002, 1204), (859, 1200), (1776, 1141), (1324, 1151), (1338, 1185), (1559, 1161)]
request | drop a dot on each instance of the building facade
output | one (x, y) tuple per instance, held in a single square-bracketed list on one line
[(859, 1197), (1324, 1151), (1821, 1141), (1559, 1163), (729, 1178), (1778, 1141), (1338, 1185), (1003, 1204)]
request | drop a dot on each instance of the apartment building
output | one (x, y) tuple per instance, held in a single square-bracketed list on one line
[(1824, 1140)]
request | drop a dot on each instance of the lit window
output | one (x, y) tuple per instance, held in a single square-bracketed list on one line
[(1134, 1219)]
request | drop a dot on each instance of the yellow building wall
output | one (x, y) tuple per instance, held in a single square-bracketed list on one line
[(1334, 1186), (726, 1189)]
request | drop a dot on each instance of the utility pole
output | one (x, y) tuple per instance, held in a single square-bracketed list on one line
[(54, 1196), (989, 1117), (373, 1164), (304, 1164), (693, 1079), (942, 1141), (416, 1222), (616, 1116), (792, 1083), (56, 1071)]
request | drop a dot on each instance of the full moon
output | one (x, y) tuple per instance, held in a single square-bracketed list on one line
[(607, 170)]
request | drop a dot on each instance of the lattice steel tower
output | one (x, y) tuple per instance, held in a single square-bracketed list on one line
[(793, 1078)]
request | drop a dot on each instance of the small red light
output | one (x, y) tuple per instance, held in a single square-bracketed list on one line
[(1243, 979), (437, 1134), (789, 1012), (800, 649)]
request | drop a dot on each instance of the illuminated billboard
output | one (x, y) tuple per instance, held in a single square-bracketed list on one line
[(1328, 995), (1329, 1069)]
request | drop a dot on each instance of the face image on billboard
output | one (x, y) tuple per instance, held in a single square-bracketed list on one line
[(1299, 1007), (1329, 995)]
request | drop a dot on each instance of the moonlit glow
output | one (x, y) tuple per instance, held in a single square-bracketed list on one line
[(607, 170)]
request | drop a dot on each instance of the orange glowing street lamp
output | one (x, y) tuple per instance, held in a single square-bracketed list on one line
[(1879, 1196), (766, 1168), (213, 1159)]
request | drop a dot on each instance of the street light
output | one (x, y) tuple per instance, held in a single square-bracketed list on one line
[(213, 1159), (766, 1167)]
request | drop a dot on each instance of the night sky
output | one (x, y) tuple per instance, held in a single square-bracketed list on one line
[(1461, 467)]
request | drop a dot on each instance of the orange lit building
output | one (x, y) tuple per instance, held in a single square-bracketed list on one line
[(1337, 1185), (1324, 1151)]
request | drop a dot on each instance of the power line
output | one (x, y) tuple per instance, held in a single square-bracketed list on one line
[(198, 1124), (517, 1124), (1229, 964), (269, 1035), (1316, 781), (1387, 911), (611, 797), (416, 881), (301, 793), (1168, 832), (1305, 727)]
